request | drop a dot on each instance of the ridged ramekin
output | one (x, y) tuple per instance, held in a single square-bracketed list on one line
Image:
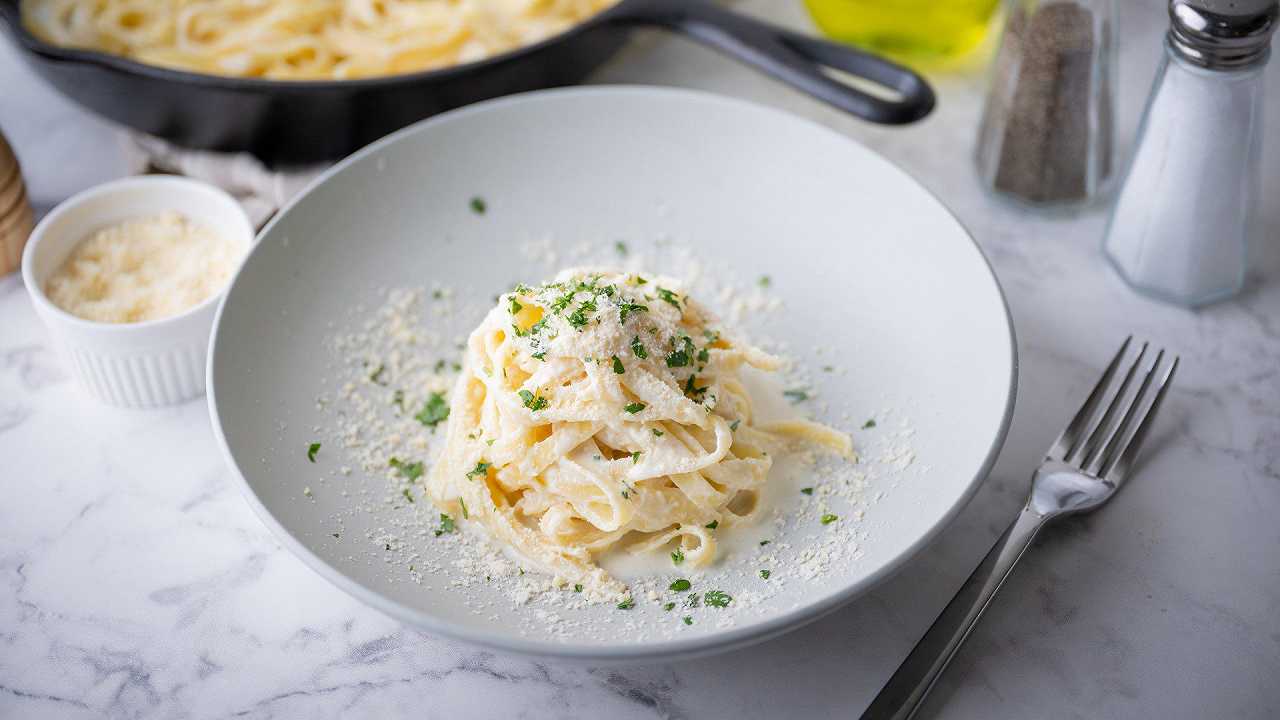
[(139, 365)]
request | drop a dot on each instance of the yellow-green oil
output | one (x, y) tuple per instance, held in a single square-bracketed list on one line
[(915, 32)]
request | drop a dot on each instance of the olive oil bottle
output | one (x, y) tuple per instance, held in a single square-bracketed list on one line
[(915, 32)]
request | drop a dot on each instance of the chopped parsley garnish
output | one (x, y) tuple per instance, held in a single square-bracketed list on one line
[(717, 598), (562, 302), (621, 247), (626, 604), (312, 449), (687, 620), (765, 281), (693, 600), (478, 205), (515, 305), (765, 542), (577, 588), (637, 348), (433, 411), (634, 407), (681, 585), (679, 357), (764, 574), (578, 318), (703, 355), (658, 433), (677, 557), (479, 471), (712, 525), (541, 355), (463, 503), (693, 390), (376, 375), (807, 491), (440, 364), (407, 495), (734, 425), (669, 297), (626, 307), (635, 457), (446, 525), (796, 396), (829, 518), (617, 366), (533, 402), (410, 470), (869, 424), (669, 606)]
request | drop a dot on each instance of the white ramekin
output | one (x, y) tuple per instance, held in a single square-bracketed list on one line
[(139, 365)]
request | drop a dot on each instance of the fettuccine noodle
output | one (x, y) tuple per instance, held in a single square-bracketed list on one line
[(603, 410), (303, 39)]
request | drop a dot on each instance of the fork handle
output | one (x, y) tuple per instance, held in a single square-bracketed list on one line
[(903, 695)]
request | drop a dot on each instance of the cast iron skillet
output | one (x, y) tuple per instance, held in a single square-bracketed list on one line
[(291, 122)]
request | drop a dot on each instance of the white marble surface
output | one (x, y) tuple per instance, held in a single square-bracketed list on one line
[(134, 581)]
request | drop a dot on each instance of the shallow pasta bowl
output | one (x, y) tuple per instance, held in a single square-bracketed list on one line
[(873, 274)]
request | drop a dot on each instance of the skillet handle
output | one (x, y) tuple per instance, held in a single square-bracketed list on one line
[(798, 60)]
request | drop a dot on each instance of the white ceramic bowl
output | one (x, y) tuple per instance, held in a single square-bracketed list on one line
[(139, 365), (866, 263)]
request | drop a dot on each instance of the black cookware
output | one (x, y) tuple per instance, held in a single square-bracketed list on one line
[(299, 121)]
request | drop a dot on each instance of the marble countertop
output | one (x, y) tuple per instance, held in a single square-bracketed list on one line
[(135, 582)]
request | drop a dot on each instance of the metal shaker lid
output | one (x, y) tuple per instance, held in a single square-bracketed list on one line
[(1223, 34)]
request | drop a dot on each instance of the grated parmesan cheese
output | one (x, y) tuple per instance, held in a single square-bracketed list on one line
[(143, 269)]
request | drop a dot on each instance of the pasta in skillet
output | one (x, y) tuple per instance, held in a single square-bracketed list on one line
[(303, 39), (601, 410)]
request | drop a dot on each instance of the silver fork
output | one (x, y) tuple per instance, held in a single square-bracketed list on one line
[(1082, 470)]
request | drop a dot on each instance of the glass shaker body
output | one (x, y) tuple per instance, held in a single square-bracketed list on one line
[(1047, 127), (1179, 229)]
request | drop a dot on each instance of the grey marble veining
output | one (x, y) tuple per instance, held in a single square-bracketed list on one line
[(135, 582)]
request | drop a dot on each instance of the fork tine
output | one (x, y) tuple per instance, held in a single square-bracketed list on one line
[(1107, 438), (1097, 437), (1069, 437), (1119, 459)]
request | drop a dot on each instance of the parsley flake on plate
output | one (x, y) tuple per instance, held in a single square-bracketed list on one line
[(478, 205), (434, 410), (312, 449), (627, 604), (681, 585), (617, 366), (409, 470), (480, 470), (829, 518), (677, 557), (717, 598), (634, 407)]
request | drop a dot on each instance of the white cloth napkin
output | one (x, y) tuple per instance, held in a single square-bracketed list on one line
[(260, 190)]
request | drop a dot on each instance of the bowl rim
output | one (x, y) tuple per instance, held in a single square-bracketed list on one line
[(158, 183), (681, 648)]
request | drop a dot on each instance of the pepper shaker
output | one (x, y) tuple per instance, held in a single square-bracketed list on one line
[(1180, 227), (1046, 132), (16, 218)]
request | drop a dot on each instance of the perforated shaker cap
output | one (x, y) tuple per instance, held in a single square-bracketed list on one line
[(1223, 34)]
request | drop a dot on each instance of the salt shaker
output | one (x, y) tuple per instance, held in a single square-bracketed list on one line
[(1046, 132), (1180, 226)]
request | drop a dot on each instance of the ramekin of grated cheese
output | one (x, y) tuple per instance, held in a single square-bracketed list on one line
[(127, 277)]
